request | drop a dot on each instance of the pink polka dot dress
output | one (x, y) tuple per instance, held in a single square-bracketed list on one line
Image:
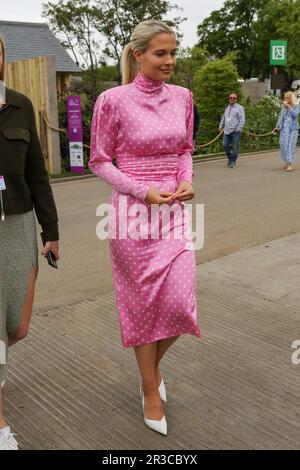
[(148, 126)]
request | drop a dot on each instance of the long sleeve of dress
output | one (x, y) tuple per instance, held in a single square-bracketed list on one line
[(294, 110), (279, 122), (185, 163), (104, 133)]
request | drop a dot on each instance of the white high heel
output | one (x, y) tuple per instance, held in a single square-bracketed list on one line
[(162, 390), (157, 425)]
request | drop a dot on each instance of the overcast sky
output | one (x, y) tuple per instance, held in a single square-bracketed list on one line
[(194, 10)]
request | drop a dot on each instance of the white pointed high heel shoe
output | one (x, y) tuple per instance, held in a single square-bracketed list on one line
[(157, 425), (162, 390)]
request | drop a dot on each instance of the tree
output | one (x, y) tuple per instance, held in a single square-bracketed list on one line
[(233, 28), (116, 19), (264, 115), (246, 27), (279, 19), (288, 27), (211, 86), (81, 22), (266, 29), (189, 61), (73, 22)]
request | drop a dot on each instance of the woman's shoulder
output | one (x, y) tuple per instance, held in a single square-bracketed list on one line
[(179, 90), (113, 94)]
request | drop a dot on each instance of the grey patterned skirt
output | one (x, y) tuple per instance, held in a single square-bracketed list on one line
[(18, 254)]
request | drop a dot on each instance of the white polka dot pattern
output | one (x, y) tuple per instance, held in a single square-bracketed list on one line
[(148, 126)]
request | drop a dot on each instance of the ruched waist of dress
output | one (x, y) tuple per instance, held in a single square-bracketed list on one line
[(149, 167)]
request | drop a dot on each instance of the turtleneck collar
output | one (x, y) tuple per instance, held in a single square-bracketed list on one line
[(146, 84)]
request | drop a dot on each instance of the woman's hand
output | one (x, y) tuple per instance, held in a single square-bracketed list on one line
[(184, 192), (51, 246), (286, 104), (275, 129), (155, 196)]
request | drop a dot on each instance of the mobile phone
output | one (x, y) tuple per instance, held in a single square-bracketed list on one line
[(50, 256)]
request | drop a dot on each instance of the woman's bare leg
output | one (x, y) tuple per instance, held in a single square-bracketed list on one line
[(23, 328), (162, 347), (145, 356)]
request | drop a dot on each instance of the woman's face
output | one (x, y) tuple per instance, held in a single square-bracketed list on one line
[(288, 100), (159, 60)]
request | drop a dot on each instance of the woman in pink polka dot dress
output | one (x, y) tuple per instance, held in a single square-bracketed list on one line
[(148, 126)]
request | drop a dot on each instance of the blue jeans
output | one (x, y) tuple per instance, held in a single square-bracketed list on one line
[(231, 144)]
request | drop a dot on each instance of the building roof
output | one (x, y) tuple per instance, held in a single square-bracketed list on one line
[(28, 40)]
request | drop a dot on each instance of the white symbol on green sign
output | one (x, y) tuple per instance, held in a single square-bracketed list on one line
[(278, 52)]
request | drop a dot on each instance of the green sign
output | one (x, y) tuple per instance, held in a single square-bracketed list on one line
[(278, 52)]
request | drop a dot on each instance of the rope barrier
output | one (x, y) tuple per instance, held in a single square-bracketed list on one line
[(257, 135), (57, 129), (212, 141), (252, 134), (49, 125)]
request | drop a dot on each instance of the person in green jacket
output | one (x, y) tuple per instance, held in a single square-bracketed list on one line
[(24, 188)]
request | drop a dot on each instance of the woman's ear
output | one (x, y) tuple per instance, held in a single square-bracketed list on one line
[(137, 54)]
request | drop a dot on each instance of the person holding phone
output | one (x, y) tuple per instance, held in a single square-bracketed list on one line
[(24, 186), (288, 126)]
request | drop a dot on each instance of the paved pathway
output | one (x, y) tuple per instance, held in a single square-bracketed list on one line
[(73, 386)]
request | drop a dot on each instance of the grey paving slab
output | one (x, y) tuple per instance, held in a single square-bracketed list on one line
[(72, 385), (244, 207)]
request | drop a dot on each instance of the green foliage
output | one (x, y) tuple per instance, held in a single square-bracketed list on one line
[(263, 116), (82, 24), (232, 28), (260, 118), (87, 101), (288, 27), (105, 73), (279, 19), (63, 140), (246, 27), (72, 22), (116, 19), (211, 86), (189, 61)]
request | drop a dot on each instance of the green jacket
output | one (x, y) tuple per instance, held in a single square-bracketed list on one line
[(23, 166)]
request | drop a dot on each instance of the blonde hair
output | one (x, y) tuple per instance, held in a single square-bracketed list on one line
[(140, 38), (290, 95), (3, 56)]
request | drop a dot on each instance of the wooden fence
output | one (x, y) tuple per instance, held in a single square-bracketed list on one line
[(36, 78)]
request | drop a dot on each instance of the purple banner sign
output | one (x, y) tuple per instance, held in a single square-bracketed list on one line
[(75, 133)]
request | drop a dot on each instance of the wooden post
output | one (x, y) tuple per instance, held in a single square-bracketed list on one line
[(36, 78), (52, 114)]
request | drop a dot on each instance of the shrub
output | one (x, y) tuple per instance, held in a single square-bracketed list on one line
[(88, 99), (211, 86)]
